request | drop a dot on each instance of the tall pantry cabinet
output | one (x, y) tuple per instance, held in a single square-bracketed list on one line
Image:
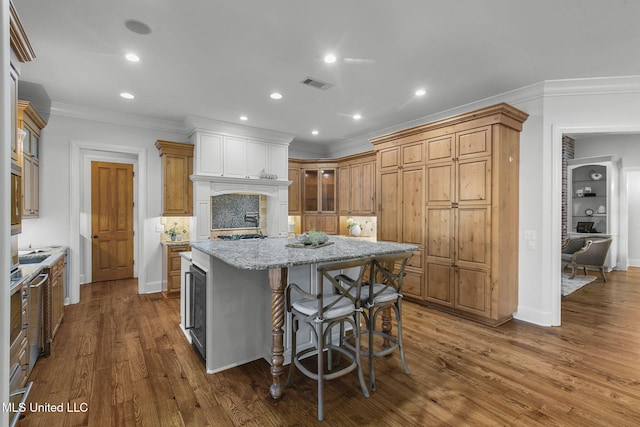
[(470, 221)]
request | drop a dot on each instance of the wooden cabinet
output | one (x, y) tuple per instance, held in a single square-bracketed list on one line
[(319, 198), (21, 51), (400, 195), (356, 185), (471, 209), (30, 122), (171, 266), (295, 189), (459, 221), (177, 188), (54, 301)]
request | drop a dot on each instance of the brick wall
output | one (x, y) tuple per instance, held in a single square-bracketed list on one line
[(568, 152)]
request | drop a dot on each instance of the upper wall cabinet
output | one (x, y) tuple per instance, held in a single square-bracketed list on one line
[(30, 122), (356, 185), (177, 188), (237, 157)]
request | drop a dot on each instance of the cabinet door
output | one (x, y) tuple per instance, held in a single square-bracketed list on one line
[(235, 157), (35, 189), (389, 200), (356, 188), (412, 206), (278, 160), (367, 186), (344, 190), (13, 91), (27, 186), (294, 192), (440, 284), (311, 222), (412, 284), (389, 159), (441, 184), (257, 158), (209, 154), (328, 190), (413, 154), (329, 223), (310, 190), (474, 181), (440, 255), (441, 148), (473, 237), (473, 291), (177, 185), (474, 143)]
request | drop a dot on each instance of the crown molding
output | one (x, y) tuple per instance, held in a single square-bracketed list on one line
[(18, 37), (114, 118), (592, 86)]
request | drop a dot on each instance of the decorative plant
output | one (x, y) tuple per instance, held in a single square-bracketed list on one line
[(313, 238), (173, 231), (351, 223)]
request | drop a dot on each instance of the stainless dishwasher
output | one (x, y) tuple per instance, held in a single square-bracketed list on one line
[(36, 336)]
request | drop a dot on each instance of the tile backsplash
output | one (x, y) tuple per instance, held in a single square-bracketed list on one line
[(182, 227)]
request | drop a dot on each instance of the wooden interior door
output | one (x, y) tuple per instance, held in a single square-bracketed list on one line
[(111, 221)]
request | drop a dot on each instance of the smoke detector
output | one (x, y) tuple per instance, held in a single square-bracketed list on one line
[(318, 84)]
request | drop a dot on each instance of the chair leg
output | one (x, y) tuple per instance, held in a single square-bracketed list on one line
[(370, 329), (604, 278), (573, 271), (320, 370), (363, 386), (398, 308), (292, 364)]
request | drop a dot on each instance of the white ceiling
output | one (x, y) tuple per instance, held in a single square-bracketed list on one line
[(222, 59)]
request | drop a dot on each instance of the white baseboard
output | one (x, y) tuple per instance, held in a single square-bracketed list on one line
[(152, 287), (633, 262), (535, 316)]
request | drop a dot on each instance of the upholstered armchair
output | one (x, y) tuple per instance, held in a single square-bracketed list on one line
[(583, 252)]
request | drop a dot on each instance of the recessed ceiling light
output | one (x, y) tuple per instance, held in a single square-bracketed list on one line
[(132, 57), (276, 95), (244, 118), (137, 27), (420, 92), (357, 117), (127, 95), (314, 132), (330, 58)]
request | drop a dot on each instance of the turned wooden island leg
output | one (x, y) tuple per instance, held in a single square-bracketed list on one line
[(386, 314), (277, 283)]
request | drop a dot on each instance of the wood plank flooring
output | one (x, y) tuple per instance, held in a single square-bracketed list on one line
[(123, 357)]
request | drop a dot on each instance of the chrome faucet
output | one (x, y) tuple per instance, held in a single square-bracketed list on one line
[(252, 217)]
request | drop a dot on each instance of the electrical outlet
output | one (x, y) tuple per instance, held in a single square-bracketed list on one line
[(159, 228)]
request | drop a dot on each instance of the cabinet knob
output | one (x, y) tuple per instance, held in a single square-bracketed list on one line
[(95, 236)]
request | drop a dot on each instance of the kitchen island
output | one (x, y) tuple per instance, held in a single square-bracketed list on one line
[(242, 275)]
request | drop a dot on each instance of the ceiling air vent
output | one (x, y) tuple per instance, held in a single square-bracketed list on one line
[(318, 84)]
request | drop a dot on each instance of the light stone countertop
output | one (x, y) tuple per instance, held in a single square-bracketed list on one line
[(29, 272), (263, 254)]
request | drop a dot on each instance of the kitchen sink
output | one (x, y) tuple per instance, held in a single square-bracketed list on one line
[(33, 259)]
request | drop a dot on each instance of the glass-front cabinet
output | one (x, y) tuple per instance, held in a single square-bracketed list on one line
[(319, 198)]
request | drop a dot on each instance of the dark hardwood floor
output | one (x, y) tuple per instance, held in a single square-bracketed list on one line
[(122, 357)]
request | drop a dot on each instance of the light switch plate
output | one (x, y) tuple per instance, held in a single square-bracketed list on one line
[(159, 228)]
